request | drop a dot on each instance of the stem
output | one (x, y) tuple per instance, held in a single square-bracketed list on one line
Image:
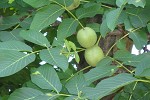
[(121, 39), (121, 65), (73, 52), (19, 24), (98, 40), (16, 26), (116, 43), (133, 90), (146, 81), (107, 6), (67, 95), (84, 1), (69, 13)]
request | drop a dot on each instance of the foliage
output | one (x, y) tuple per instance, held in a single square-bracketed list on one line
[(31, 33)]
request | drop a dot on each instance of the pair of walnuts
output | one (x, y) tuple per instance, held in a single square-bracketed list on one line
[(87, 38)]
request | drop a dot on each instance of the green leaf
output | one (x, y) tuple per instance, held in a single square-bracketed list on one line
[(102, 70), (139, 38), (25, 93), (65, 3), (120, 3), (128, 25), (67, 45), (145, 73), (76, 84), (72, 46), (135, 91), (46, 16), (12, 35), (134, 60), (138, 16), (37, 3), (89, 12), (25, 24), (94, 26), (77, 58), (54, 57), (112, 18), (123, 16), (104, 28), (110, 2), (121, 44), (35, 36), (14, 45), (74, 5), (66, 28), (13, 61), (148, 27), (71, 98), (123, 55), (11, 1), (8, 22), (107, 86), (4, 4), (144, 64), (47, 96), (137, 3), (46, 78)]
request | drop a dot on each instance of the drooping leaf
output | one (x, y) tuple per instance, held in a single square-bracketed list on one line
[(14, 45), (77, 58), (107, 86), (66, 28), (46, 16), (11, 35), (25, 93), (37, 3), (46, 78), (112, 18), (35, 36), (137, 3), (139, 38), (89, 12), (13, 61), (72, 46), (53, 56)]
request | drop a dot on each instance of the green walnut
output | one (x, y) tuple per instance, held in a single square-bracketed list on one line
[(93, 55), (86, 37)]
